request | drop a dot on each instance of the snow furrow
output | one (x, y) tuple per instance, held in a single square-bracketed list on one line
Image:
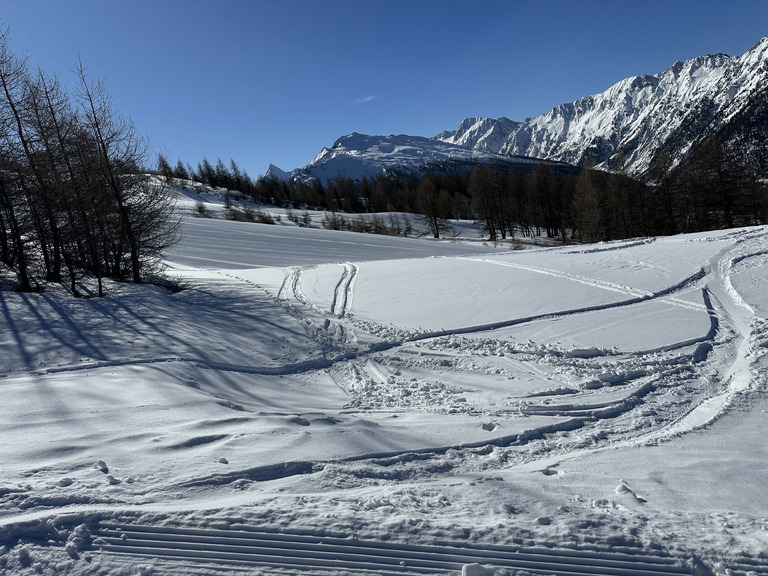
[(337, 290), (350, 273), (306, 553), (593, 282)]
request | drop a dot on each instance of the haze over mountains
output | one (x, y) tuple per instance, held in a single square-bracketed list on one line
[(624, 127)]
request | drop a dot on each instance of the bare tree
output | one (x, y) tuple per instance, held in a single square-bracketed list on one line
[(146, 213), (75, 192)]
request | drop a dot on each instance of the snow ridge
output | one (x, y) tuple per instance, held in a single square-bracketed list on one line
[(360, 155)]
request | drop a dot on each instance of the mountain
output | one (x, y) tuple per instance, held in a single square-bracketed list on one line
[(275, 172), (357, 155), (675, 109), (628, 124)]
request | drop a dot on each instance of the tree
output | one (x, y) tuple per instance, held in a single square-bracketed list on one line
[(587, 206), (164, 168), (431, 208), (145, 213), (180, 171), (14, 195), (483, 191)]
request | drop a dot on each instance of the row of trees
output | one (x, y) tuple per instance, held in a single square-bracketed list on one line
[(75, 197), (714, 188), (535, 200), (217, 176)]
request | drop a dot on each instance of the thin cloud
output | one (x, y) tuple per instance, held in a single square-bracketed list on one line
[(369, 98)]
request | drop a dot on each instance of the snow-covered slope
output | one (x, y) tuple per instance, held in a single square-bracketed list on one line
[(584, 409), (676, 108), (357, 155), (591, 410)]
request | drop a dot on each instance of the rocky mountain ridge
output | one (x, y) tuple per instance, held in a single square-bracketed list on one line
[(626, 125)]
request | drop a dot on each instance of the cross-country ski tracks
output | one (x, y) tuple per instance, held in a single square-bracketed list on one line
[(317, 554), (291, 293), (636, 294), (342, 293), (726, 304), (684, 285)]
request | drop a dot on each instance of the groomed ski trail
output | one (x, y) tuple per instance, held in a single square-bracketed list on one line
[(241, 550)]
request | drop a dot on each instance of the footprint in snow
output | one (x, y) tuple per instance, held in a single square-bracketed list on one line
[(301, 421)]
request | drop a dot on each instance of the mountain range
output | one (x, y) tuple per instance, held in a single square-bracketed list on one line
[(623, 127)]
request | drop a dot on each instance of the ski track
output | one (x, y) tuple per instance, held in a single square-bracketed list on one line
[(729, 306), (634, 293), (342, 293), (307, 554)]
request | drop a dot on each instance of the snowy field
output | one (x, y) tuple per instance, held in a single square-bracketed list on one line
[(332, 403)]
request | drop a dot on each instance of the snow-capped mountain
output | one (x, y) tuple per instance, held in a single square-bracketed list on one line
[(675, 110), (357, 155), (275, 172)]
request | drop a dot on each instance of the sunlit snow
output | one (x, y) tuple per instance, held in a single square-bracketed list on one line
[(600, 398)]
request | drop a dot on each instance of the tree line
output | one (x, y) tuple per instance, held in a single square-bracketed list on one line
[(715, 187), (76, 197)]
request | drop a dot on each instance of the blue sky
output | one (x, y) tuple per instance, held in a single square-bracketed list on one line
[(274, 81)]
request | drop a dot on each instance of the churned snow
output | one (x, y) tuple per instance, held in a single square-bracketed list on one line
[(606, 397)]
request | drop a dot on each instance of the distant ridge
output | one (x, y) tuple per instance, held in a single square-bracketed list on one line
[(357, 155)]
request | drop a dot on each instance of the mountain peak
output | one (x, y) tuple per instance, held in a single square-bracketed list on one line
[(274, 171)]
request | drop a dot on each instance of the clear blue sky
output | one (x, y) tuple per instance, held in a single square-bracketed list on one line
[(275, 81)]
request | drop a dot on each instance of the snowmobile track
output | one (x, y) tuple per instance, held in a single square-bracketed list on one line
[(308, 554)]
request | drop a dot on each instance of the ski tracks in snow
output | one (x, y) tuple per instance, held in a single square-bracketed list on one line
[(735, 374), (635, 294), (342, 293), (293, 553), (341, 301)]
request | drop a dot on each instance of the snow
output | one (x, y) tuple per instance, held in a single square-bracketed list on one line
[(321, 392), (359, 155)]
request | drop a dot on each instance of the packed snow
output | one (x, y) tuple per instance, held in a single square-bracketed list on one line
[(378, 405)]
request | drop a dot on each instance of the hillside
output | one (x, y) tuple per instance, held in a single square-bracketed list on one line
[(358, 155)]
